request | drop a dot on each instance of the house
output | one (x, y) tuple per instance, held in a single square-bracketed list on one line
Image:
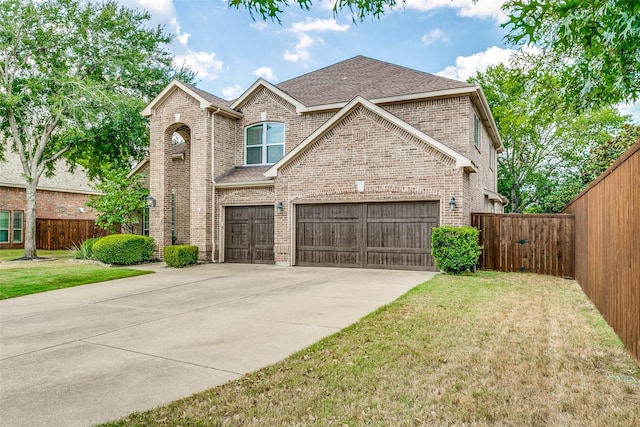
[(60, 200), (351, 165)]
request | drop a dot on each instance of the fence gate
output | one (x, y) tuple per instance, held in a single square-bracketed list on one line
[(541, 244)]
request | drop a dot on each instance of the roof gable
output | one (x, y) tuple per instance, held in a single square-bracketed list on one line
[(366, 77), (259, 84), (460, 160), (206, 100)]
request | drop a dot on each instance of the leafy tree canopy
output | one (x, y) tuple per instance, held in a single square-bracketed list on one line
[(602, 156), (73, 77), (545, 143), (594, 44)]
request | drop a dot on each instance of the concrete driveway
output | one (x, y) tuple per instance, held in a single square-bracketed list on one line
[(95, 353)]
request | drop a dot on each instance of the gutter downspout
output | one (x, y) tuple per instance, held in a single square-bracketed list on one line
[(213, 184)]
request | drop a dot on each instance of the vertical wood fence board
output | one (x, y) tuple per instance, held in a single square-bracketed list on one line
[(533, 243), (53, 234), (607, 251)]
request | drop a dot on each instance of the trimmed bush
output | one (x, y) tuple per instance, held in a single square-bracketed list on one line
[(86, 248), (181, 255), (455, 249), (124, 249)]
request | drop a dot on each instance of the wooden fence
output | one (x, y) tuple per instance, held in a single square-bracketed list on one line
[(52, 234), (528, 243), (607, 216)]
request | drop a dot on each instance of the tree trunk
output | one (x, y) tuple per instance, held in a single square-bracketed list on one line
[(30, 221)]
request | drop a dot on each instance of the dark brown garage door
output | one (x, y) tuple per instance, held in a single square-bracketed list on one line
[(367, 235), (249, 234)]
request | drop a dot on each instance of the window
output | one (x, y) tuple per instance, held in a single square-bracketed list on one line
[(476, 131), (17, 226), (4, 226), (264, 144), (491, 157), (145, 221)]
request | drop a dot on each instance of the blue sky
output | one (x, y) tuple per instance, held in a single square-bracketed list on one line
[(230, 50)]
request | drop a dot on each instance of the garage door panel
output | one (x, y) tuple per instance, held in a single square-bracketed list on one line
[(329, 257), (249, 234), (397, 235), (399, 260), (328, 235), (371, 235)]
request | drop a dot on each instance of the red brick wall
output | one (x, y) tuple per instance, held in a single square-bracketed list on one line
[(49, 205)]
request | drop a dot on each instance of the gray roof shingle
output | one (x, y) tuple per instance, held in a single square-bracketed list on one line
[(367, 77), (77, 181), (243, 174)]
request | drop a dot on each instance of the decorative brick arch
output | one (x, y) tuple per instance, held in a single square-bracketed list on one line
[(179, 180)]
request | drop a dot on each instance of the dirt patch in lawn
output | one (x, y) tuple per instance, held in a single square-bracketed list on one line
[(487, 349)]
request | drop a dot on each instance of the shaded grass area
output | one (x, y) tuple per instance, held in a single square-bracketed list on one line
[(30, 277), (11, 254), (488, 349)]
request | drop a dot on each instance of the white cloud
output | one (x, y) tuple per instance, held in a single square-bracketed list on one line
[(163, 12), (266, 73), (434, 36), (305, 41), (633, 109), (232, 92), (204, 63), (482, 9), (260, 26), (467, 66)]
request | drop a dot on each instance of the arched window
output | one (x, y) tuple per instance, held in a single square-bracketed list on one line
[(264, 143)]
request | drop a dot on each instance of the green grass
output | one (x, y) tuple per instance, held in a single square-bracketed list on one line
[(484, 349), (11, 254), (30, 277)]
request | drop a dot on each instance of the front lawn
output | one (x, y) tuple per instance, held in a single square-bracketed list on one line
[(488, 349), (30, 277)]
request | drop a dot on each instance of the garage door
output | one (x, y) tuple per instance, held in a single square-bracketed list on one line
[(249, 234), (367, 235)]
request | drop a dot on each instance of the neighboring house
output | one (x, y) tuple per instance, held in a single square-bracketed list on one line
[(61, 197), (351, 165)]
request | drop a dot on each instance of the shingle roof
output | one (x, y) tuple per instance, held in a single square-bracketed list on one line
[(243, 174), (11, 176), (215, 100), (366, 77)]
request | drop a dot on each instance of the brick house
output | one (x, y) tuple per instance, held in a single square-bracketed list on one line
[(60, 198), (350, 165)]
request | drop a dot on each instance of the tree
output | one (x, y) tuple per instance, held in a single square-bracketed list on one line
[(544, 142), (121, 200), (594, 44), (602, 156), (272, 9), (73, 78)]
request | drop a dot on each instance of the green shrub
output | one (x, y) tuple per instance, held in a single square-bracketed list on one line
[(181, 255), (86, 249), (124, 249), (455, 249)]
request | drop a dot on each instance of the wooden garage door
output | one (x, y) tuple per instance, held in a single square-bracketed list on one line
[(249, 234), (367, 235)]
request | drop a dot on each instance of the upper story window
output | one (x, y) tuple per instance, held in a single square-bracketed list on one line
[(476, 131), (491, 157), (264, 144)]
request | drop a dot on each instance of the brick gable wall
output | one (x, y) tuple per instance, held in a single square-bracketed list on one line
[(361, 147)]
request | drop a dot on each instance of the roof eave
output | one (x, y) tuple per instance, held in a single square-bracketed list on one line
[(177, 84), (245, 184), (461, 161), (398, 98), (263, 83)]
